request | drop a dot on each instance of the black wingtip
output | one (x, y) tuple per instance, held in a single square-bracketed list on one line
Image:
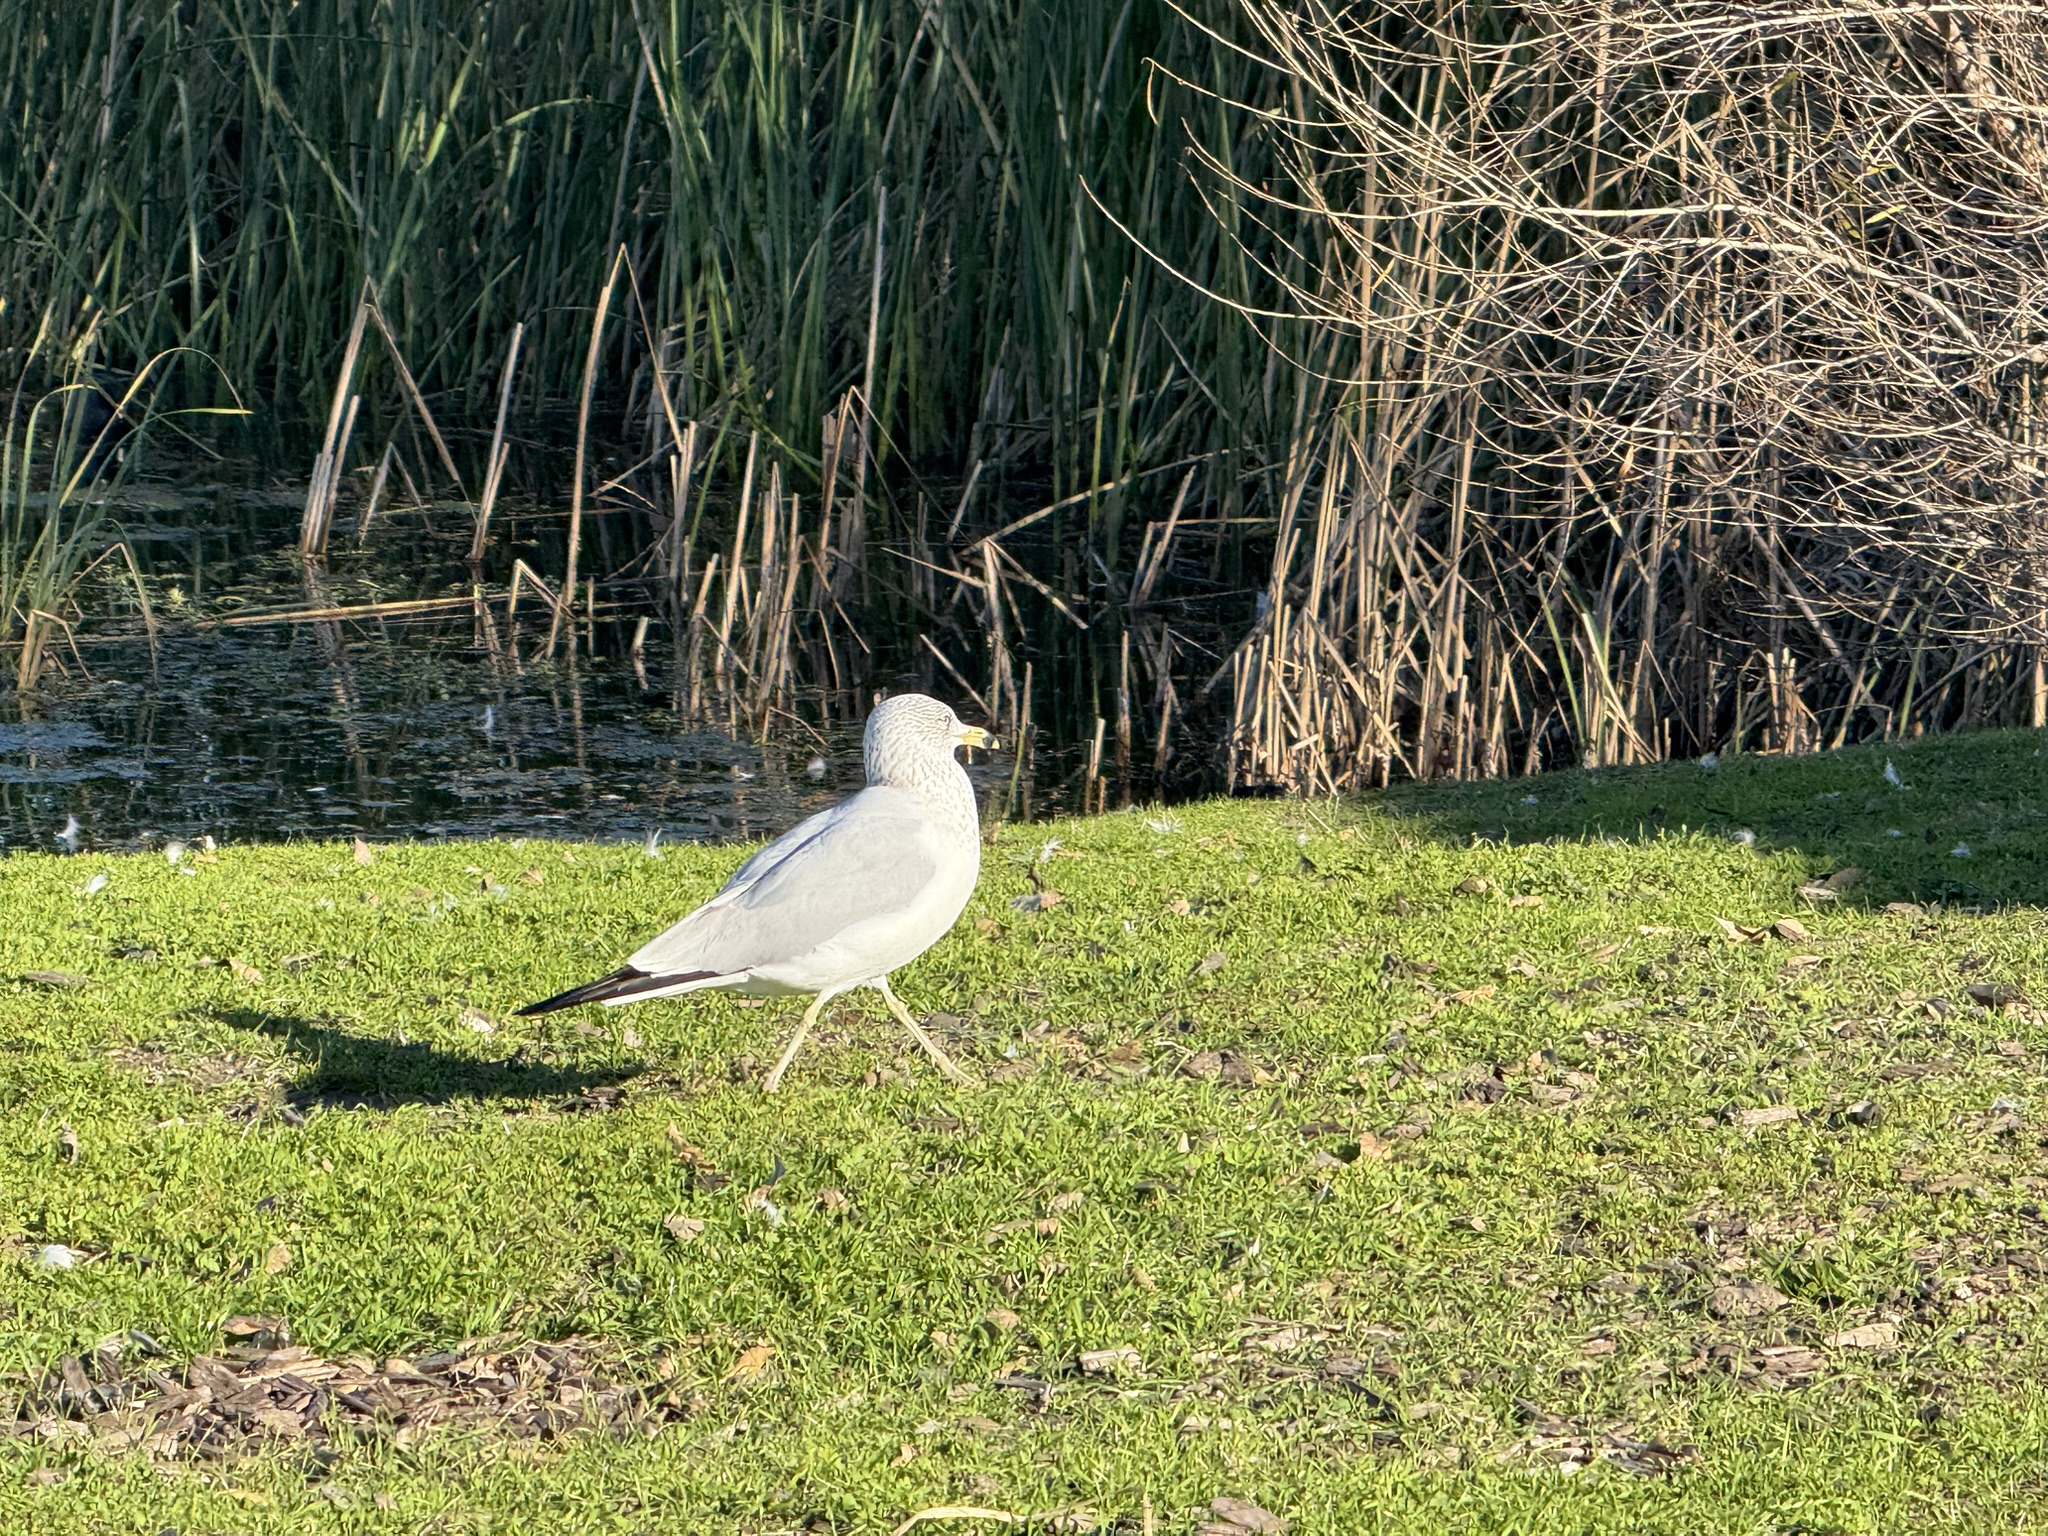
[(624, 982), (614, 985)]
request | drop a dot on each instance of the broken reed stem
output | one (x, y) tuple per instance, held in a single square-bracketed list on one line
[(681, 468), (953, 672), (1091, 785), (854, 550), (412, 394), (494, 476), (369, 510), (597, 319), (1123, 719), (414, 607), (340, 415), (693, 667), (331, 486), (735, 565)]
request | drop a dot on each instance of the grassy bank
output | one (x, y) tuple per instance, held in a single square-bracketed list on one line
[(1418, 1164)]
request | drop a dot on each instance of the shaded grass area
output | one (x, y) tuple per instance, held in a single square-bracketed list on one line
[(1392, 1176)]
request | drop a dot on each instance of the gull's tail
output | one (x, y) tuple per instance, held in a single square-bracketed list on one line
[(624, 985)]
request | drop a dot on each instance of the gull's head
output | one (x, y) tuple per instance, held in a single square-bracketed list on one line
[(911, 736)]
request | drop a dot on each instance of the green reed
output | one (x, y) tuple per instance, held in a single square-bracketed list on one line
[(224, 174)]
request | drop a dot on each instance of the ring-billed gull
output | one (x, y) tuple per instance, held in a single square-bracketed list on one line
[(841, 900)]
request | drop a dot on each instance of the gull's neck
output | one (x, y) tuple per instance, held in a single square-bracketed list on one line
[(936, 778)]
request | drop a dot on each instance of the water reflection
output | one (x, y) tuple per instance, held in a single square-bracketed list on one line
[(336, 730)]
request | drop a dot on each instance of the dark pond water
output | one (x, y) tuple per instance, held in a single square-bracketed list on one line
[(268, 734), (397, 727)]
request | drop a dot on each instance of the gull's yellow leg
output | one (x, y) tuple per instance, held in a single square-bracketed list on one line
[(931, 1046), (796, 1040)]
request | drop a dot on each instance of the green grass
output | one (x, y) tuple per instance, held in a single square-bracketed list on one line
[(436, 1190)]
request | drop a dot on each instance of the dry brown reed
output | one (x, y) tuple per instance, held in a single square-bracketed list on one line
[(1683, 373)]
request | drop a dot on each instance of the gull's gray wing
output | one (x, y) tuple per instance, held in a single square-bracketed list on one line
[(870, 855)]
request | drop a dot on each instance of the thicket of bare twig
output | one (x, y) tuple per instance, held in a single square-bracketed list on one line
[(1685, 367)]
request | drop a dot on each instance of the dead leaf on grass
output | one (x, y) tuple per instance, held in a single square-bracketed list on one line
[(1211, 963), (1044, 1226), (363, 854), (1768, 1114), (277, 1259), (704, 1173), (753, 1361), (1115, 1361), (244, 971), (1037, 901), (1065, 1201), (1791, 930), (1735, 933), (1224, 1067), (1525, 901), (56, 979), (684, 1229), (1746, 1298), (1238, 1072), (1936, 1184), (261, 1330), (1124, 1057), (1869, 1336), (1241, 1516)]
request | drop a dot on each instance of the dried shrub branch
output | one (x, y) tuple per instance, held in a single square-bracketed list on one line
[(1686, 363)]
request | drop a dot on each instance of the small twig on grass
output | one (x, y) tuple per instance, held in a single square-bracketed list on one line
[(959, 1512)]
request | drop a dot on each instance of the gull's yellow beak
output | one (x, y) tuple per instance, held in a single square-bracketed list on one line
[(975, 736)]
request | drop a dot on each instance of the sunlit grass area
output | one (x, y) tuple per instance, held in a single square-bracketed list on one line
[(1649, 1150)]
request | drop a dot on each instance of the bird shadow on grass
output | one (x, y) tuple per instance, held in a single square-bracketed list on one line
[(348, 1071)]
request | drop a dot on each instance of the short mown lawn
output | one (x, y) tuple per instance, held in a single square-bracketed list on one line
[(1657, 1150)]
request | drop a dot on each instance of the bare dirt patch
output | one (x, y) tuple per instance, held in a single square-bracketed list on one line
[(207, 1071)]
